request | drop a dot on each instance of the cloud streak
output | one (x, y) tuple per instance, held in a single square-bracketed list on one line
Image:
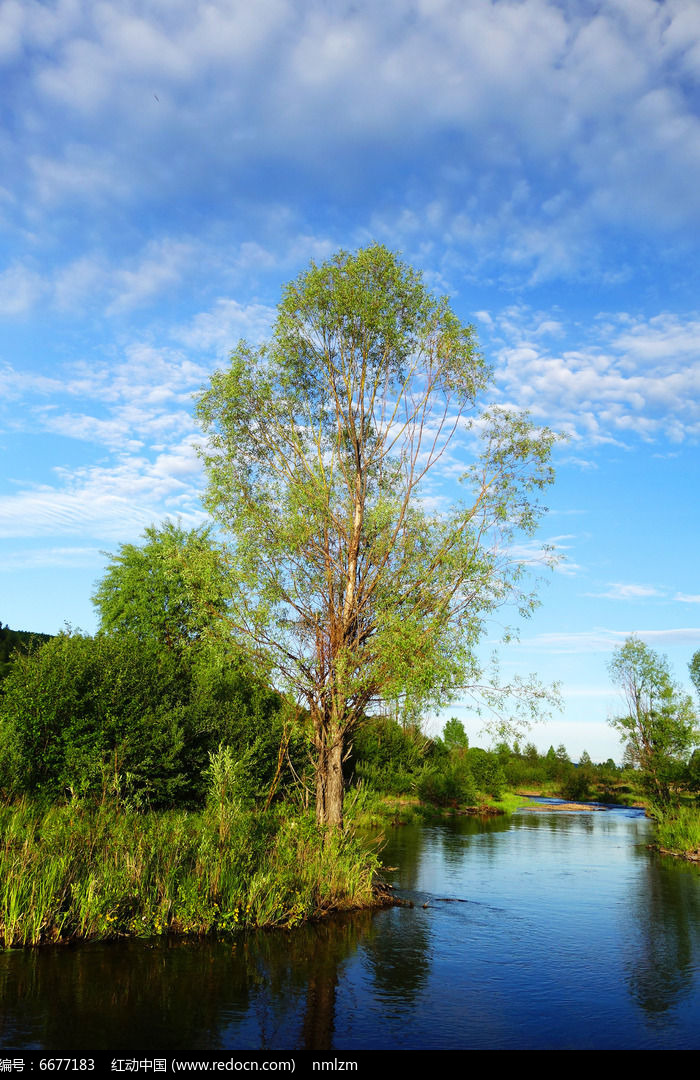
[(620, 591), (604, 640)]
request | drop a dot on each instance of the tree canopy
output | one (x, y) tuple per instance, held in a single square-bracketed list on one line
[(171, 589), (658, 728), (354, 582)]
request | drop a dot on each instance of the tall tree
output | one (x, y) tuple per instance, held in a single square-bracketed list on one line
[(350, 589), (658, 728)]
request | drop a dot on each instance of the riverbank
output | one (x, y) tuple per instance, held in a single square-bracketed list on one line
[(369, 809), (75, 873)]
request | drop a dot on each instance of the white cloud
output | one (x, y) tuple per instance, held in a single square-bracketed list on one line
[(629, 378), (78, 172), (159, 268), (550, 553), (224, 325), (20, 289), (561, 113), (107, 432), (17, 384), (619, 591), (139, 411), (35, 558), (114, 501), (87, 276), (85, 511), (603, 640)]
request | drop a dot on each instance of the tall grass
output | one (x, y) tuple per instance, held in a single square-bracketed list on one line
[(678, 830), (73, 872)]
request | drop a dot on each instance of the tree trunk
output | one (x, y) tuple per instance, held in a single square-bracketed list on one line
[(329, 785)]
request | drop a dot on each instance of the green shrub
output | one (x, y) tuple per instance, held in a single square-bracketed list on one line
[(576, 784), (487, 771), (386, 757), (116, 717), (448, 784)]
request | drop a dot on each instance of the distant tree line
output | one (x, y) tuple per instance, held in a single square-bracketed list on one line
[(390, 757), (13, 640)]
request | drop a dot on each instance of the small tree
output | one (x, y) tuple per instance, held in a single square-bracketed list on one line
[(454, 736), (351, 593), (658, 729), (694, 668), (170, 594)]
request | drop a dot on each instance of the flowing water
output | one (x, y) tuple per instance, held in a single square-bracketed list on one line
[(544, 930)]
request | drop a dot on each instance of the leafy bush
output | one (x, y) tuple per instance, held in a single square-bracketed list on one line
[(386, 757), (487, 771), (576, 784), (112, 716), (447, 784)]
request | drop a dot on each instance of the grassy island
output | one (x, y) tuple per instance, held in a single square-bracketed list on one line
[(75, 873)]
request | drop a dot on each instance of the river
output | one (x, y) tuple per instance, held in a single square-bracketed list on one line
[(546, 930)]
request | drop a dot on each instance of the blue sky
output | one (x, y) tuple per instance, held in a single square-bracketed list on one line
[(167, 166)]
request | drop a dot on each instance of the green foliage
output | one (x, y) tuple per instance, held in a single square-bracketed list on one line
[(230, 779), (349, 591), (658, 729), (12, 641), (694, 667), (576, 784), (70, 873), (552, 764), (678, 829), (447, 783), (134, 713), (454, 736), (487, 771), (692, 776), (386, 757), (172, 589), (128, 719), (81, 715), (522, 772)]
